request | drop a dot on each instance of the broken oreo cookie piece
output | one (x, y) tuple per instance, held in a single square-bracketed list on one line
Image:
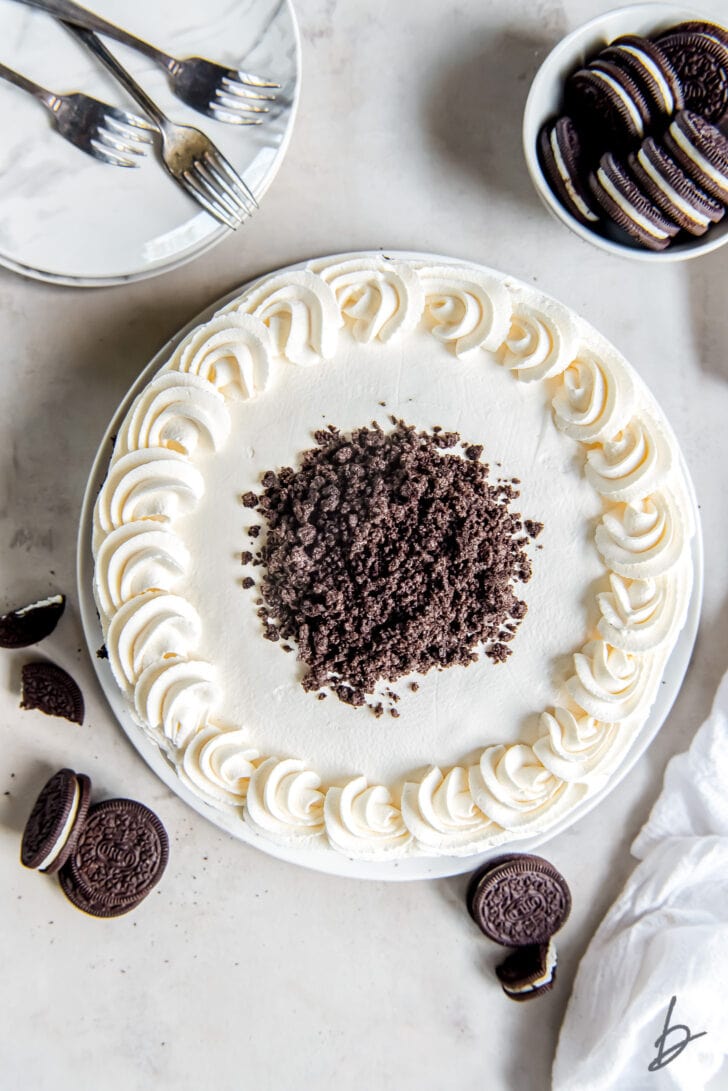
[(28, 625), (49, 689), (528, 971)]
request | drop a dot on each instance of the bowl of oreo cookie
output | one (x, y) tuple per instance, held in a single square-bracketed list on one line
[(625, 132)]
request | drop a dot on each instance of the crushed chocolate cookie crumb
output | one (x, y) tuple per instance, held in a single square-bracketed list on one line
[(473, 451), (385, 556), (414, 686), (249, 499), (532, 529), (246, 557), (321, 696), (254, 531), (102, 652), (394, 712), (248, 583)]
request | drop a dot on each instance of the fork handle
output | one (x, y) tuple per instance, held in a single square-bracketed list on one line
[(97, 47), (70, 12), (41, 93)]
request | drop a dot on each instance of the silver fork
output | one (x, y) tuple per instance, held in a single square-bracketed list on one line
[(227, 94), (188, 154), (104, 131)]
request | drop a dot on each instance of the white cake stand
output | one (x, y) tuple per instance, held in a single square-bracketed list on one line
[(325, 859)]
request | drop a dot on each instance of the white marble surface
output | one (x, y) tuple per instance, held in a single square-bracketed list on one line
[(240, 971)]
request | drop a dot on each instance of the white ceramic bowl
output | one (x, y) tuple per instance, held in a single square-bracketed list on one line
[(545, 98)]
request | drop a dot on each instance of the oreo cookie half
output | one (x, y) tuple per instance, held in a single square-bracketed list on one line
[(119, 857), (55, 821), (28, 625), (529, 971), (627, 206), (520, 901), (48, 688), (561, 157), (672, 191), (701, 150), (701, 63)]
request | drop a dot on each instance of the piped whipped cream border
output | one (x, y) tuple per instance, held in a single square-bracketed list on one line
[(154, 636)]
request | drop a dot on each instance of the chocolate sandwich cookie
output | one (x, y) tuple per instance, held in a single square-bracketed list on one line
[(604, 100), (710, 30), (120, 855), (672, 191), (48, 688), (28, 625), (701, 150), (529, 971), (650, 69), (627, 206), (55, 822), (561, 158), (701, 63), (520, 901)]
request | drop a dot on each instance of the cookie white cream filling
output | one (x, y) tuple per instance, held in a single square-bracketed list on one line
[(479, 756), (624, 97), (566, 179), (627, 207), (687, 209), (65, 832)]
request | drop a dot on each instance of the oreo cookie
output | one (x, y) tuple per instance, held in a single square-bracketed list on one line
[(701, 64), (649, 67), (561, 157), (55, 821), (605, 100), (48, 688), (28, 625), (519, 900), (119, 857), (672, 191), (710, 30), (627, 206), (701, 150), (528, 971)]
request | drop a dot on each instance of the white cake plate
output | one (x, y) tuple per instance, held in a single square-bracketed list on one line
[(325, 859), (67, 218)]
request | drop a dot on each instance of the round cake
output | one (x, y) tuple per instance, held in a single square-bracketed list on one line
[(390, 558)]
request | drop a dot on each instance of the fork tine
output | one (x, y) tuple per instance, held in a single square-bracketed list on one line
[(233, 86), (129, 131), (218, 187), (218, 161), (252, 80), (123, 117), (236, 104), (103, 151), (230, 118), (117, 144), (194, 186)]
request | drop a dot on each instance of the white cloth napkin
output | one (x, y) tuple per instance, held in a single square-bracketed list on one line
[(666, 936)]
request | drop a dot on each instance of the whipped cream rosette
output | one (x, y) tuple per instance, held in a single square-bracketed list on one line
[(477, 756)]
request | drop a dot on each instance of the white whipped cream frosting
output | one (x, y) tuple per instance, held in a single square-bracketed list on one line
[(610, 459)]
